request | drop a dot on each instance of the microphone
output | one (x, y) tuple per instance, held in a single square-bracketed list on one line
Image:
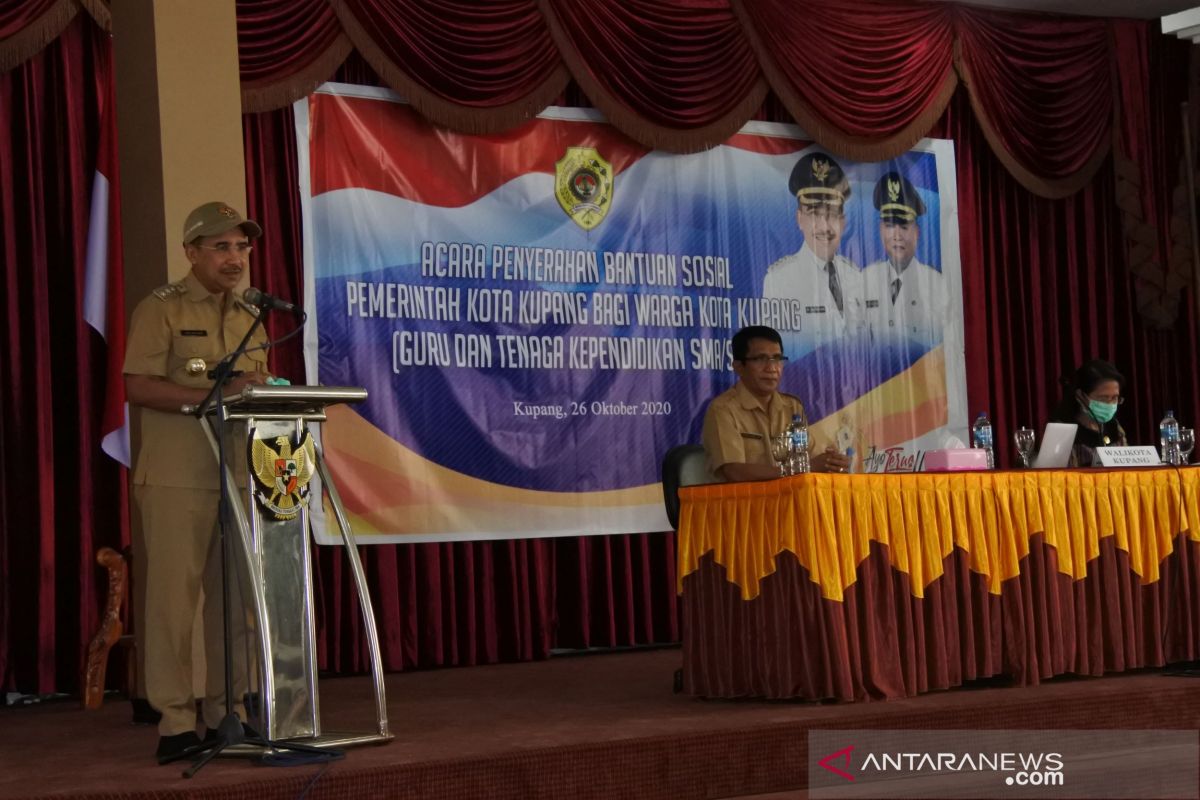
[(268, 302)]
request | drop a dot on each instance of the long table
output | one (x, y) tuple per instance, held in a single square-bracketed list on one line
[(872, 586)]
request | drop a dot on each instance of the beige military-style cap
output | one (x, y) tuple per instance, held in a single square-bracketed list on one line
[(213, 219)]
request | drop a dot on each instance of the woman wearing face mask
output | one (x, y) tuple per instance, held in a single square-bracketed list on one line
[(1091, 398)]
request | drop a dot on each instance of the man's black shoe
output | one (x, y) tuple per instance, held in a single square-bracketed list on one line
[(172, 747)]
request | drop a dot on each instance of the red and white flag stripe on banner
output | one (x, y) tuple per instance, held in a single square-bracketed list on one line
[(104, 283)]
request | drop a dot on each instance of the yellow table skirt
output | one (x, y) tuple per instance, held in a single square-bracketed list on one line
[(828, 522)]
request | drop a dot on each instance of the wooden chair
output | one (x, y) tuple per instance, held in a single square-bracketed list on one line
[(111, 632)]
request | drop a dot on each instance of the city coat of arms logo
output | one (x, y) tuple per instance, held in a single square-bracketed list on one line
[(282, 475), (583, 185)]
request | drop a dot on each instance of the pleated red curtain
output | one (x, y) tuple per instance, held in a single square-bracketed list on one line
[(867, 78), (60, 497), (301, 39), (1046, 286), (667, 79), (1043, 90)]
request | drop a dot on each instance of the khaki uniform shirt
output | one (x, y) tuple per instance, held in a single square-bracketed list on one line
[(738, 430), (175, 325)]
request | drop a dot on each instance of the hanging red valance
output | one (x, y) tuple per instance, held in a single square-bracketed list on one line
[(474, 67), (671, 80), (866, 78), (28, 26), (1042, 88), (301, 39)]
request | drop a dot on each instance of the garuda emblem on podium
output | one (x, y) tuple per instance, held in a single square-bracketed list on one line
[(583, 185), (282, 475)]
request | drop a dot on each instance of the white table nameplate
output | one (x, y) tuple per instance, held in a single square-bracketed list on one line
[(1141, 456)]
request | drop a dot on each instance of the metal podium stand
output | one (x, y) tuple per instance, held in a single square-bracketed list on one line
[(268, 428)]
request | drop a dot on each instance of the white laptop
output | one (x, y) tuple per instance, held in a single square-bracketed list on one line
[(1057, 441)]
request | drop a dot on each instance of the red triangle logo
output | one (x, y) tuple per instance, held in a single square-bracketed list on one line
[(842, 755)]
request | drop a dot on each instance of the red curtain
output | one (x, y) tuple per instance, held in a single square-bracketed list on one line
[(27, 26), (300, 39), (693, 79), (1046, 284), (475, 67), (61, 497), (1043, 90), (867, 78)]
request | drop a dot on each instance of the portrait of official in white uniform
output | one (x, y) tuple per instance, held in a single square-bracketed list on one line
[(826, 284), (904, 299)]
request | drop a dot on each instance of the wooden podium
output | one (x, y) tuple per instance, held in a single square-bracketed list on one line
[(268, 429)]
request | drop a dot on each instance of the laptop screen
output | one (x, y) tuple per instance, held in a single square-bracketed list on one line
[(1057, 441)]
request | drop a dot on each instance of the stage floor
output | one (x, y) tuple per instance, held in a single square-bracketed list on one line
[(603, 725)]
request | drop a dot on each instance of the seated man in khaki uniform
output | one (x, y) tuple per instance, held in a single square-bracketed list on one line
[(176, 336), (740, 422)]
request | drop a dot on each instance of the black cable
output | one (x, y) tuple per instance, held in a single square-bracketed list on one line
[(274, 342), (313, 782)]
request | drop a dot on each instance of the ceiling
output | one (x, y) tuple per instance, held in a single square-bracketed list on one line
[(1144, 9)]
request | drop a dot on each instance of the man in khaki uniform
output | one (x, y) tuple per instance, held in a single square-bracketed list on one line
[(176, 336), (741, 421)]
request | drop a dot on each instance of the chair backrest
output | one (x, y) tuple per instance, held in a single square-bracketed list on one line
[(682, 466)]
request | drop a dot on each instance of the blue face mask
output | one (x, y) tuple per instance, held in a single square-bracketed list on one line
[(1102, 412)]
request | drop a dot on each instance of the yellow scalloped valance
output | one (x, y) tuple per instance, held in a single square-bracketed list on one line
[(829, 521)]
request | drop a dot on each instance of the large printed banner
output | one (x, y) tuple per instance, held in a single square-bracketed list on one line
[(540, 315)]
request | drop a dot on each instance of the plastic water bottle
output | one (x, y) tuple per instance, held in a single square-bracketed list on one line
[(1168, 438), (798, 432), (981, 437)]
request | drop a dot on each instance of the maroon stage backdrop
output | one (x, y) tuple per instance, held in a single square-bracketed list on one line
[(1047, 280)]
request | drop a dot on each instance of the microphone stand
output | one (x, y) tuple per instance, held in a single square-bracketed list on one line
[(231, 731)]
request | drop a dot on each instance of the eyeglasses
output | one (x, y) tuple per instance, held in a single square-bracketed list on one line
[(1117, 399), (762, 361), (225, 248), (821, 212)]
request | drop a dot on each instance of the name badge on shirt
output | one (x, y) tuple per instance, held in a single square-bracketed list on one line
[(193, 333), (872, 304), (752, 436), (814, 309)]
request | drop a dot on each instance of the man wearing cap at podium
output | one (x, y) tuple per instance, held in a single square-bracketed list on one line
[(826, 284), (904, 298), (176, 336)]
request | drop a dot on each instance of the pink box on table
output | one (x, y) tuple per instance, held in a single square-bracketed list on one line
[(955, 459)]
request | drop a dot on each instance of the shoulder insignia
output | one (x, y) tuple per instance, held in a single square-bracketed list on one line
[(780, 263), (252, 310), (170, 290)]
